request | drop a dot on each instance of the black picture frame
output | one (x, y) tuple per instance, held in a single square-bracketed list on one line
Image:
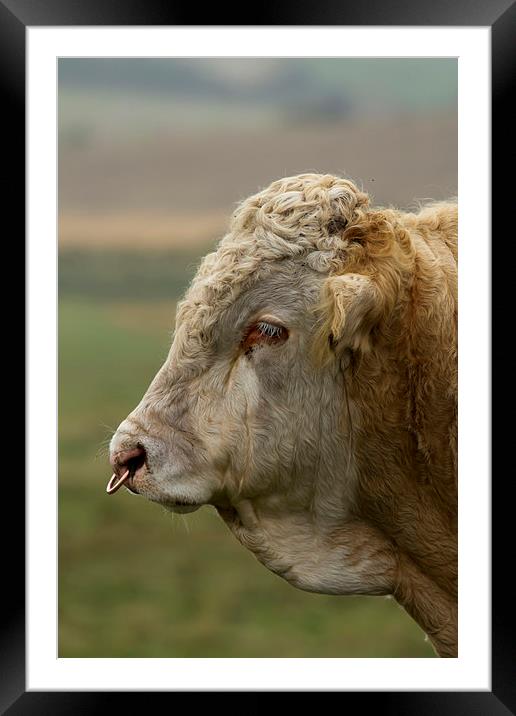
[(500, 16)]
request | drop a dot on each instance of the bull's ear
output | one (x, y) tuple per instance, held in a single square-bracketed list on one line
[(351, 306)]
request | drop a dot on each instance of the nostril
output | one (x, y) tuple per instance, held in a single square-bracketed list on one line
[(126, 464), (130, 460), (134, 463)]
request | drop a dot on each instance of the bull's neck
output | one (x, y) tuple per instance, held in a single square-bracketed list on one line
[(434, 609), (404, 449), (396, 496)]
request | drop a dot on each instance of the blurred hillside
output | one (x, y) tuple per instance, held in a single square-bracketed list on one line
[(98, 93), (155, 153)]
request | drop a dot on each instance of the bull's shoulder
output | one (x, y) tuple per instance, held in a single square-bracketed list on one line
[(437, 225)]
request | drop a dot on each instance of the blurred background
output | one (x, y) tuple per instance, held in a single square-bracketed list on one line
[(154, 154)]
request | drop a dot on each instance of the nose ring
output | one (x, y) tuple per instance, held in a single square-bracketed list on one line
[(116, 482)]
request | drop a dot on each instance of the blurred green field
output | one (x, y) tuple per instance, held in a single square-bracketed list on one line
[(135, 581)]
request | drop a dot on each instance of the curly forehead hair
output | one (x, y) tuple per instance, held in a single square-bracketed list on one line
[(292, 217), (303, 208), (300, 216), (321, 219)]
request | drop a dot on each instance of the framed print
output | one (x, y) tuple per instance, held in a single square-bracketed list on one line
[(95, 623)]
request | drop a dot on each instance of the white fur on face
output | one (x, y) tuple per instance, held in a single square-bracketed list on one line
[(223, 426), (232, 424)]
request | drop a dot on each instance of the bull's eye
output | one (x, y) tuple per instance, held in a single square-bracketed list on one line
[(270, 330), (263, 332)]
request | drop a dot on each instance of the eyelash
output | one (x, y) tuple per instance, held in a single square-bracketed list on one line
[(263, 332), (269, 329)]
